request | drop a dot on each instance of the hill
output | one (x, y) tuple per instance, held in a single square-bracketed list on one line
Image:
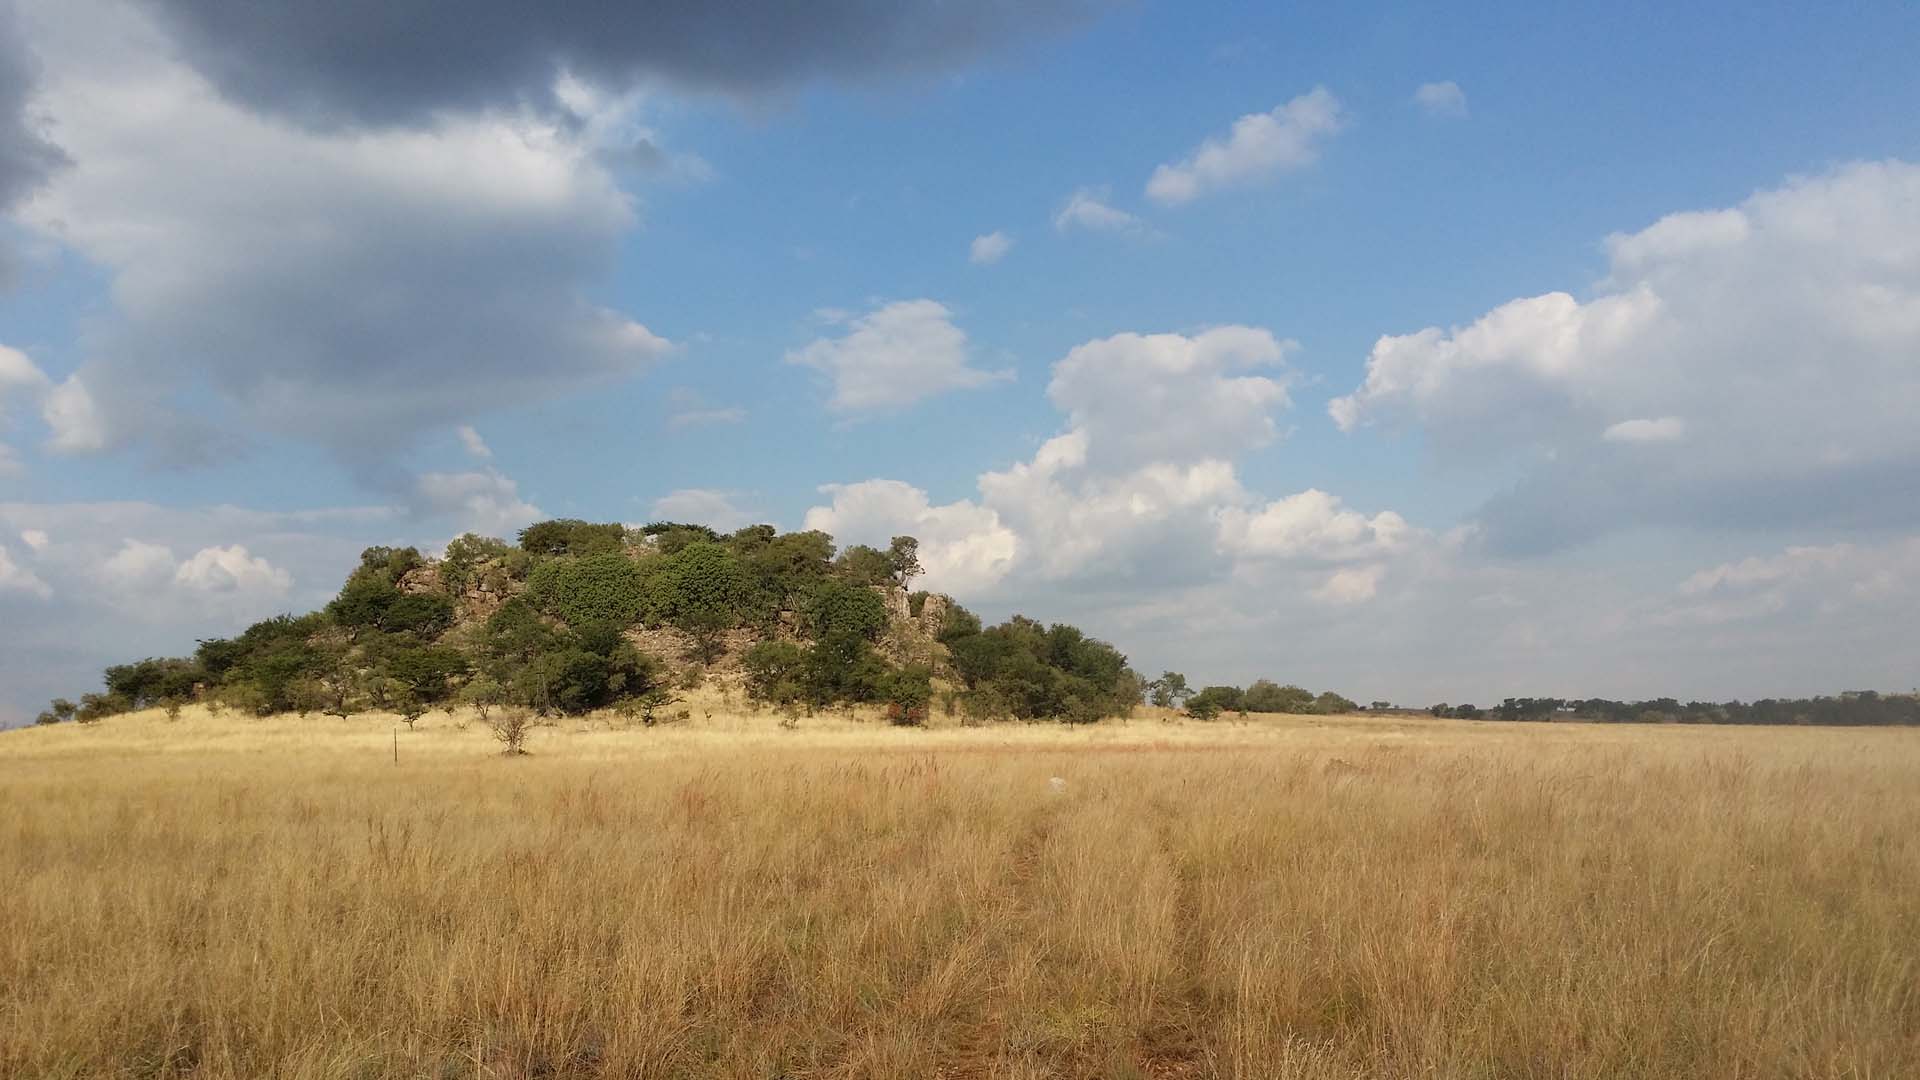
[(578, 616)]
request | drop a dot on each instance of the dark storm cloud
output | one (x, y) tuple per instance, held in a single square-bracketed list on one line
[(388, 61), (25, 155)]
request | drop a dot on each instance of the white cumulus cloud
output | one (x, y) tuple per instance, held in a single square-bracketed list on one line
[(894, 356), (964, 548), (1260, 145), (989, 248), (231, 569), (1783, 331)]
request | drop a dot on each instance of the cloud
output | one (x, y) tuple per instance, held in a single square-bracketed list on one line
[(18, 373), (386, 63), (1122, 499), (74, 418), (963, 547), (1087, 209), (16, 578), (1646, 430), (1170, 397), (1311, 525), (1259, 146), (20, 377), (231, 569), (894, 356), (240, 566), (704, 506), (345, 287), (27, 156), (989, 248), (486, 501), (1441, 99), (1783, 331), (475, 446), (139, 564), (1351, 585), (1806, 586)]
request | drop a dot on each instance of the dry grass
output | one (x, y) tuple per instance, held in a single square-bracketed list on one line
[(1303, 898)]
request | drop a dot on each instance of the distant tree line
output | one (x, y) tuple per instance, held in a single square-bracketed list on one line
[(1853, 707), (1170, 691)]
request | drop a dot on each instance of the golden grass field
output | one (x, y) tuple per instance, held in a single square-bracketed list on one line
[(1295, 897)]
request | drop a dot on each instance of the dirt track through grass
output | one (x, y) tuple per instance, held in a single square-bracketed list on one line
[(226, 898)]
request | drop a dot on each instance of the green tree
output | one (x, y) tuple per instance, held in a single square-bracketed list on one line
[(1267, 696), (465, 554), (903, 559), (605, 588), (571, 536), (776, 672), (704, 591), (835, 607), (863, 565), (1169, 690), (1330, 703)]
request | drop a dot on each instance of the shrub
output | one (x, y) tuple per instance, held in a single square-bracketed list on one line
[(97, 707), (704, 591), (776, 671), (906, 691), (465, 554), (835, 607), (607, 588), (511, 727), (571, 536)]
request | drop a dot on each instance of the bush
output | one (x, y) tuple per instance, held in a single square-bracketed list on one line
[(608, 589), (465, 554), (571, 536), (776, 672), (1267, 696), (907, 692), (704, 590), (835, 607), (511, 727)]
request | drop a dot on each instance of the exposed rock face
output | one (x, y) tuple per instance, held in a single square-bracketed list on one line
[(424, 578), (911, 638)]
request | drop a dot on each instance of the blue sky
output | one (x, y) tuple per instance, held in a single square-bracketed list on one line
[(1616, 312)]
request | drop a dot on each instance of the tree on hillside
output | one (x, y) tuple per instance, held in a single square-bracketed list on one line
[(903, 557), (705, 591), (571, 536), (863, 565), (835, 607)]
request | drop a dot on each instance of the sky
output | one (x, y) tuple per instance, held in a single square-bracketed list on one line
[(1420, 354)]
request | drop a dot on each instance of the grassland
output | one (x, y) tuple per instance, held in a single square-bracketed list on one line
[(1301, 897)]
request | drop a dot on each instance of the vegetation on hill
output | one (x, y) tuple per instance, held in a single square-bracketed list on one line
[(580, 616)]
